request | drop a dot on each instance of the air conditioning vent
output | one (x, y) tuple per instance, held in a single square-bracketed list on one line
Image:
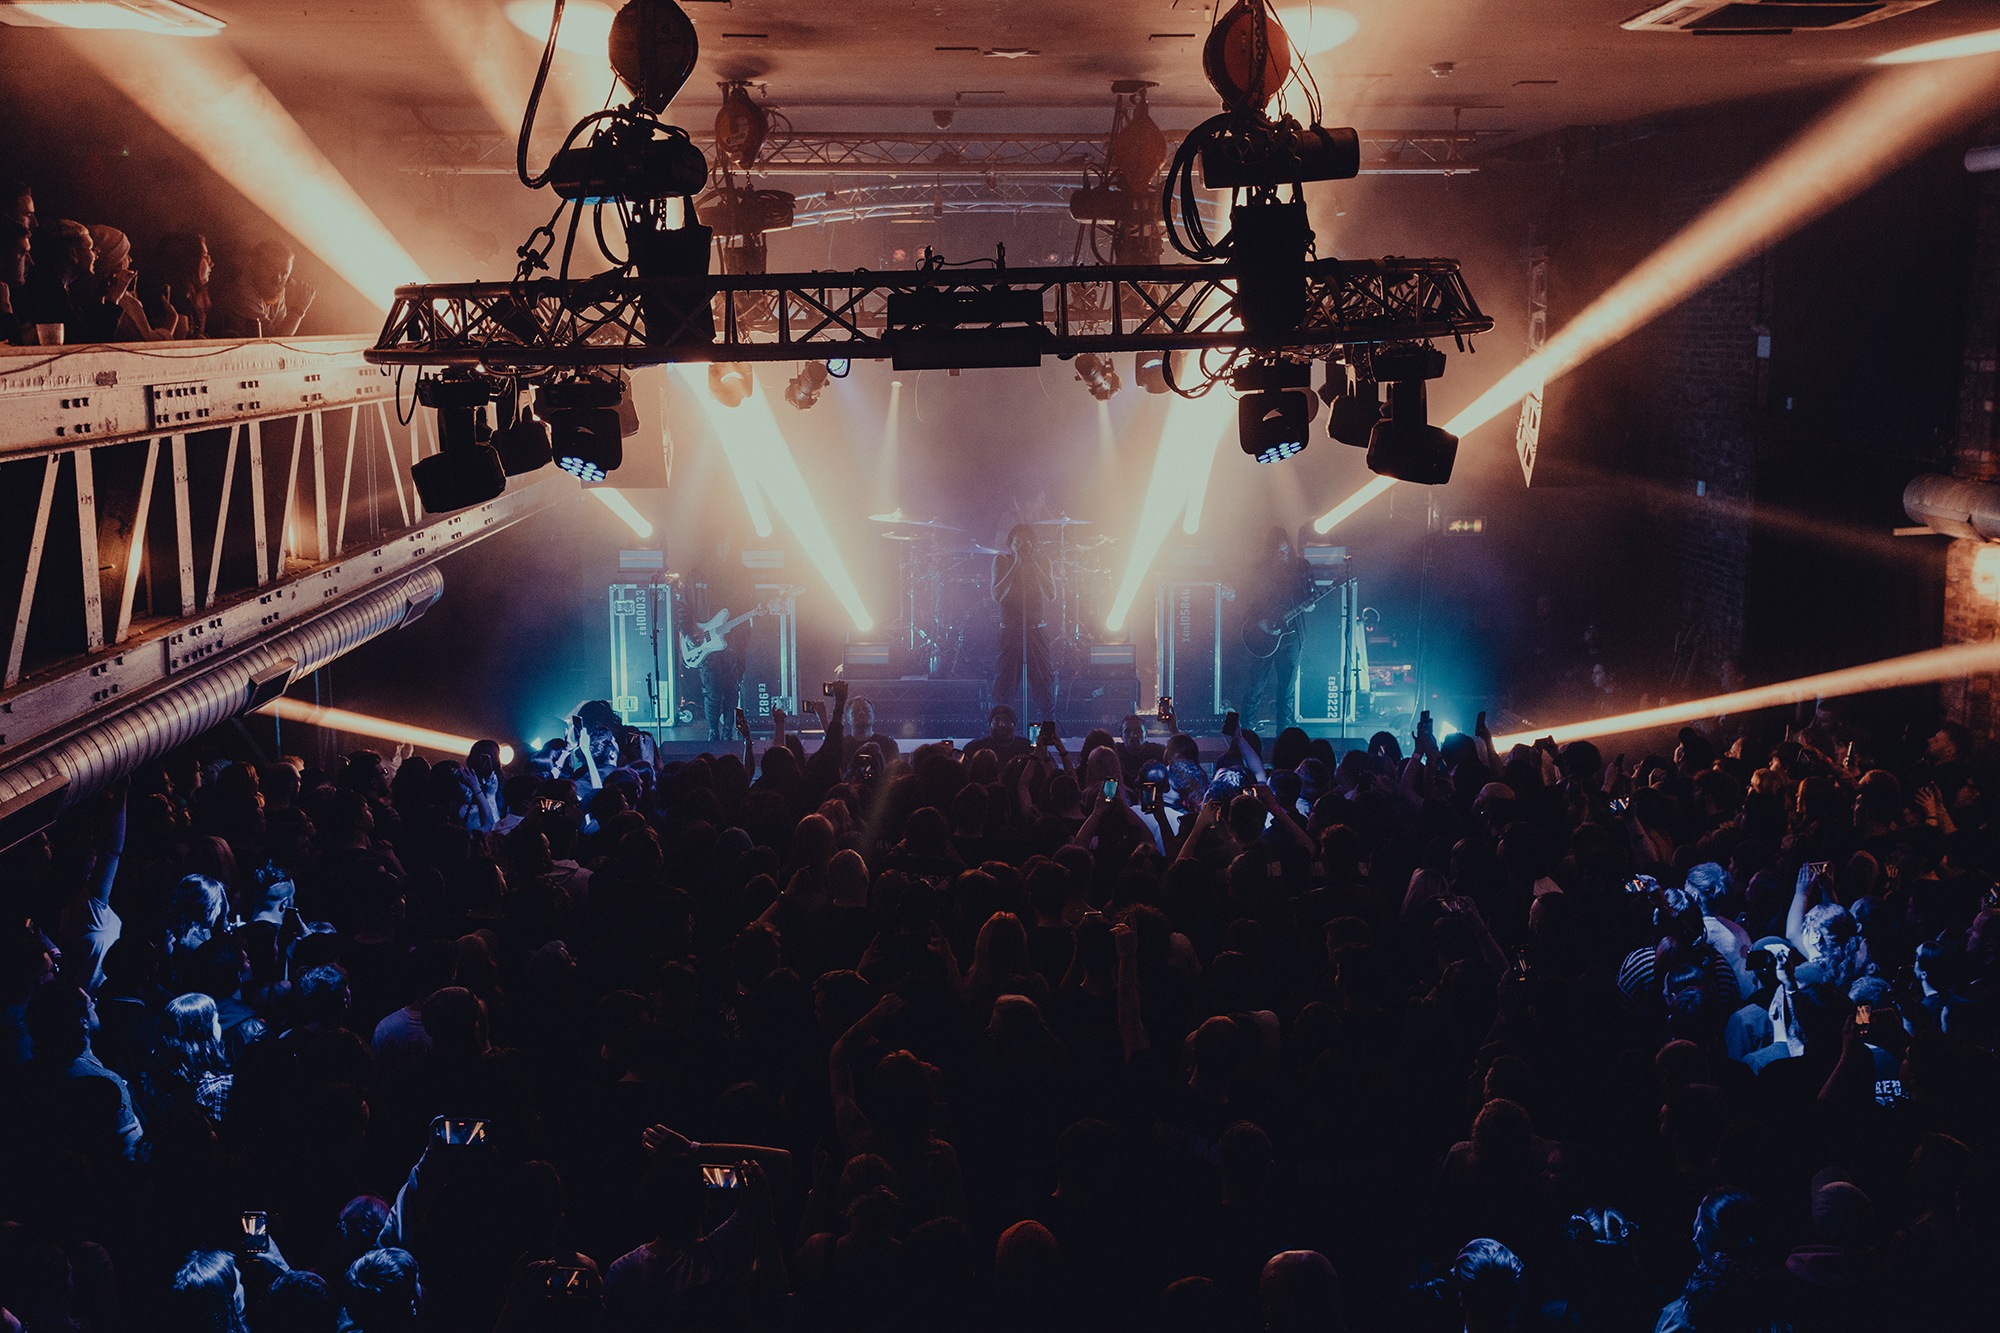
[(1746, 17)]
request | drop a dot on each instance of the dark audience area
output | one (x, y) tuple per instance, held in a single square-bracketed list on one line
[(64, 282), (1006, 1037)]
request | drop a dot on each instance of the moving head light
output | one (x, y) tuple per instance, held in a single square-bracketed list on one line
[(1280, 154), (628, 162), (465, 471), (583, 425)]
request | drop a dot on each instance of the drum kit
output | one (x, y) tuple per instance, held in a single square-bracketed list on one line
[(947, 620)]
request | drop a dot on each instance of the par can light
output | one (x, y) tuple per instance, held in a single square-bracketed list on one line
[(805, 387), (584, 429), (1274, 415)]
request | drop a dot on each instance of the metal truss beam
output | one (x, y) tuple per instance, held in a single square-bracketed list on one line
[(202, 474), (40, 711), (926, 200), (950, 155), (794, 316), (58, 400)]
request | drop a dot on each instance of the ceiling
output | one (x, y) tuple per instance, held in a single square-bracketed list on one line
[(1521, 67)]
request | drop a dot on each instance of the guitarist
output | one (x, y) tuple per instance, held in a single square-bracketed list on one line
[(1277, 584), (719, 585)]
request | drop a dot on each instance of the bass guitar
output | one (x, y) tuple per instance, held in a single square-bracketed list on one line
[(1263, 638), (711, 635)]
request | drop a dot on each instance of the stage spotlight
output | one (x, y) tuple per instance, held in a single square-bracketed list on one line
[(1274, 414), (1149, 371), (465, 471), (1354, 403), (1403, 444), (1098, 375), (523, 444), (741, 127), (805, 387), (729, 382), (838, 367), (583, 426)]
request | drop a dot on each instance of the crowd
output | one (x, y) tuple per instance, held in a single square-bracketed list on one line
[(64, 282), (837, 1037)]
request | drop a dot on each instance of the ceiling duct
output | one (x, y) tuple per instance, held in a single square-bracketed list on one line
[(1743, 18), (93, 756)]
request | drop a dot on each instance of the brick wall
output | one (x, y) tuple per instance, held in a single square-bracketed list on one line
[(1972, 569), (1971, 615), (1707, 380)]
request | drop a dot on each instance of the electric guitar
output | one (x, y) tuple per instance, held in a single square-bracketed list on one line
[(713, 634), (1263, 638)]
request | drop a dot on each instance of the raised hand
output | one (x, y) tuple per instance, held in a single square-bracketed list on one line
[(658, 1138)]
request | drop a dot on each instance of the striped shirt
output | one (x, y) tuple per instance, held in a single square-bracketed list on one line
[(1638, 979)]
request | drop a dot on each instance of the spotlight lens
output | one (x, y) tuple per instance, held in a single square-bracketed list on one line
[(1279, 452), (582, 469), (838, 368)]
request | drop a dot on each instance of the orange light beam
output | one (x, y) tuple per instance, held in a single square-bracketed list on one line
[(381, 728), (1932, 665), (204, 95), (1881, 125)]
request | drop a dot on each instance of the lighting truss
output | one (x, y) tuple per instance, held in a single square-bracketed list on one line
[(796, 316), (918, 200), (951, 155)]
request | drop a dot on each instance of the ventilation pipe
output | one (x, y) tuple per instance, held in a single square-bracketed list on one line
[(35, 788), (1954, 506)]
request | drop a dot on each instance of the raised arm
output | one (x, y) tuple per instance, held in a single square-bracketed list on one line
[(823, 768), (848, 1119), (1203, 821), (112, 845), (1283, 821), (1795, 916), (1024, 794), (1131, 1024)]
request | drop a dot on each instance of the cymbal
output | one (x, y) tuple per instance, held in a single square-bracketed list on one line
[(1061, 521)]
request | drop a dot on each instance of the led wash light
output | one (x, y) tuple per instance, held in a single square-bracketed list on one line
[(380, 728), (1926, 668)]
